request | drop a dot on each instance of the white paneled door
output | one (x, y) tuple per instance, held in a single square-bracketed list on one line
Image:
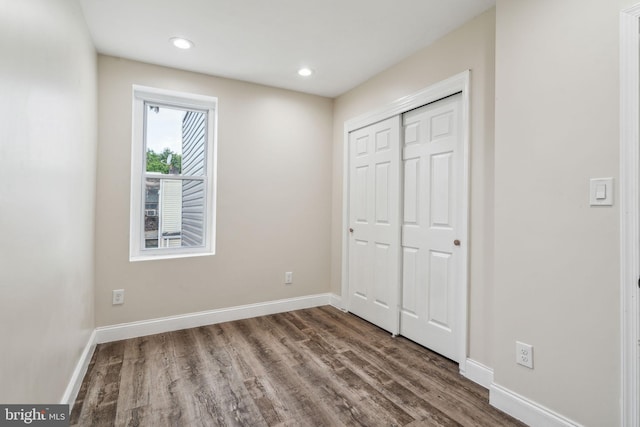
[(432, 214), (374, 223)]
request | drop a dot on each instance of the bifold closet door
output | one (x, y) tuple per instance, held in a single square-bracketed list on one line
[(374, 223), (431, 216)]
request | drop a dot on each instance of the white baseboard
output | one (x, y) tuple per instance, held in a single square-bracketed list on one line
[(210, 317), (71, 392), (336, 301), (520, 407), (525, 410), (478, 373)]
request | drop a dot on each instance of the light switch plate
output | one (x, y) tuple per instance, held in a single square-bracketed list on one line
[(601, 192)]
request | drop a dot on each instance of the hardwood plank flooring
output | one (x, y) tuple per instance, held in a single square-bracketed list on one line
[(314, 367)]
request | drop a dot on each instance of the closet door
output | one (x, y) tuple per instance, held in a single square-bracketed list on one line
[(431, 263), (374, 223)]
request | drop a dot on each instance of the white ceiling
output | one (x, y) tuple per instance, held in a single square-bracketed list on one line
[(265, 41)]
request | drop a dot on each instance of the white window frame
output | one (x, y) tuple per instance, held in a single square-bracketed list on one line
[(142, 95)]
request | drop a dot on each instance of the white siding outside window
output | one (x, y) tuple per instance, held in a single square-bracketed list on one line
[(193, 131)]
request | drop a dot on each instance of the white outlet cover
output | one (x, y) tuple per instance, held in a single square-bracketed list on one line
[(117, 297), (524, 354)]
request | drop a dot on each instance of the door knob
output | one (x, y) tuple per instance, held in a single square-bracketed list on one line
[(351, 230), (456, 242)]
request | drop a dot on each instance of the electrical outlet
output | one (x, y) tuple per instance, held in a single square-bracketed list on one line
[(118, 296), (524, 354), (288, 278)]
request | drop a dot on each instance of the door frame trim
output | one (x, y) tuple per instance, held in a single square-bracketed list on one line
[(630, 213), (459, 83)]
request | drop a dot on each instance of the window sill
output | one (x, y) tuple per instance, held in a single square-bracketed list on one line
[(173, 255)]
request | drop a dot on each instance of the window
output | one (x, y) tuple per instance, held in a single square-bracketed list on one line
[(173, 161)]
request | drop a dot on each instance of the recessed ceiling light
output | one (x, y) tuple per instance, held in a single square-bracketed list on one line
[(181, 43), (305, 72)]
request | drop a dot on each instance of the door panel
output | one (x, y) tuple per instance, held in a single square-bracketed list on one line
[(410, 274), (360, 269), (440, 200), (374, 217), (382, 193), (432, 199), (411, 191), (440, 290)]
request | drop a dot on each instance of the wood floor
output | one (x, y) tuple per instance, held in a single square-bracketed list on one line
[(314, 367)]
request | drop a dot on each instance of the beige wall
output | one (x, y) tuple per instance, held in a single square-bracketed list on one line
[(469, 47), (274, 199), (556, 258), (47, 182)]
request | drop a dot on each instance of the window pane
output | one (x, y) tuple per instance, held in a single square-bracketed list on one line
[(193, 218), (174, 213), (175, 140), (151, 218)]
